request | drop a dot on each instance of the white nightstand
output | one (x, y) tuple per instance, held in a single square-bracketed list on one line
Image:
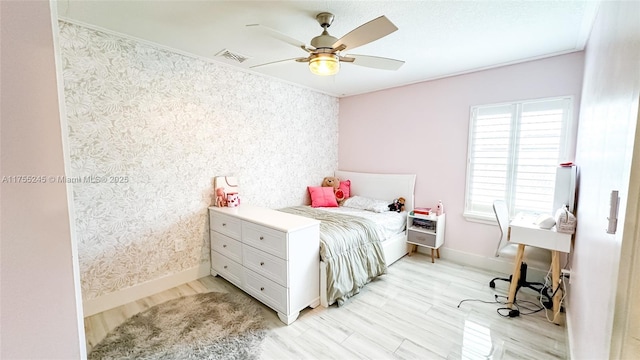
[(427, 231)]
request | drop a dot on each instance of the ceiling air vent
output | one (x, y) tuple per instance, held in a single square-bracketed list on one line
[(227, 54)]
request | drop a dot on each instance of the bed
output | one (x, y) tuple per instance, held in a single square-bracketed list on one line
[(343, 274)]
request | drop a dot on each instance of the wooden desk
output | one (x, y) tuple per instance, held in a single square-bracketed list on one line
[(523, 231)]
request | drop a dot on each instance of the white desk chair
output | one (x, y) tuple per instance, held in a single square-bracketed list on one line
[(536, 257)]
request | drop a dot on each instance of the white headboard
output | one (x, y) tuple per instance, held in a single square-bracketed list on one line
[(381, 186)]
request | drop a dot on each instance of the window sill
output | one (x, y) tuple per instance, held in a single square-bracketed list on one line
[(480, 218)]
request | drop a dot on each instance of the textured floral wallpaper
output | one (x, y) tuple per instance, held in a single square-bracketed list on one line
[(149, 129)]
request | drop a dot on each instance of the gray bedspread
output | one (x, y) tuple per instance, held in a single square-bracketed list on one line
[(350, 246)]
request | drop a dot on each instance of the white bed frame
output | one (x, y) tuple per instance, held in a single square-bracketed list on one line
[(383, 187)]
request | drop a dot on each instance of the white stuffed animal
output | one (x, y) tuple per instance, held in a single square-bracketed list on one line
[(233, 200)]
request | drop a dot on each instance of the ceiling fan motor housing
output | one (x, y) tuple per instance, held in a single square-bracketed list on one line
[(324, 41)]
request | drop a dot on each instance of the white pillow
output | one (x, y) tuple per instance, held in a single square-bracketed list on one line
[(363, 203)]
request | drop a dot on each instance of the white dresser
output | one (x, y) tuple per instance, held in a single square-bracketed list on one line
[(271, 255)]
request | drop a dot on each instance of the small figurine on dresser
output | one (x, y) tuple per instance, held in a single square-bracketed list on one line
[(221, 197)]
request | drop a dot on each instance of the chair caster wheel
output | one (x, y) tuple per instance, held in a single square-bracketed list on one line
[(492, 284)]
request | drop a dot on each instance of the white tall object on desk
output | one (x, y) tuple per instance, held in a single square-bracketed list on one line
[(565, 188)]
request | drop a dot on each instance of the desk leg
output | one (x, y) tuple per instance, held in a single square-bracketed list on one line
[(555, 275), (515, 276)]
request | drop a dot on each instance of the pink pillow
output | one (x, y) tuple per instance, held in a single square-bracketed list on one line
[(322, 196), (345, 186)]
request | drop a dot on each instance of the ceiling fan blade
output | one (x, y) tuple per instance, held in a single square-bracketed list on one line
[(279, 61), (375, 62), (367, 32), (277, 35)]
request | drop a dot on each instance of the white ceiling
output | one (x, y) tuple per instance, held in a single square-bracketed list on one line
[(435, 38)]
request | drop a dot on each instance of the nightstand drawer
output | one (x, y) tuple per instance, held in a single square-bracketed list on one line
[(226, 246), (267, 291), (226, 225), (272, 241), (267, 265), (421, 238), (227, 268)]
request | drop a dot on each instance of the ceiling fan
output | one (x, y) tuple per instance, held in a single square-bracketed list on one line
[(325, 52)]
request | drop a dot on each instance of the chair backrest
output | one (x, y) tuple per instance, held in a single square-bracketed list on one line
[(502, 216)]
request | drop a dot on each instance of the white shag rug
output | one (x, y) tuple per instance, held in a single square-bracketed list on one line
[(204, 326)]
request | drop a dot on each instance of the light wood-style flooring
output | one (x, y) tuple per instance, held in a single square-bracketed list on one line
[(411, 312)]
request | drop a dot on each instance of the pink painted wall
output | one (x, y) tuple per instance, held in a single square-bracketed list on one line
[(602, 275), (41, 311), (423, 129)]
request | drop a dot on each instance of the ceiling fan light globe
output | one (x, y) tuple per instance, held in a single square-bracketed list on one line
[(324, 64)]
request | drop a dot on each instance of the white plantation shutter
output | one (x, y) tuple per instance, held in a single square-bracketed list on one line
[(514, 150)]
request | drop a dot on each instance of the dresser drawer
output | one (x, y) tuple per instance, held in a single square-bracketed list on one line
[(226, 246), (227, 268), (420, 238), (224, 224), (267, 265), (267, 291), (272, 241)]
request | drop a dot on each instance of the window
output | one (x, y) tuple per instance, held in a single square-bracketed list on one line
[(514, 150)]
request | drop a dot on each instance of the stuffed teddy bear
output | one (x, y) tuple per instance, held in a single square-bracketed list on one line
[(331, 181), (334, 182), (397, 205)]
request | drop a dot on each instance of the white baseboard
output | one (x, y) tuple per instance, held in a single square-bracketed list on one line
[(500, 266), (125, 296)]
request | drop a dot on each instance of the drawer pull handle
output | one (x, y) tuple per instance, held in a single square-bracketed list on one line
[(261, 237), (225, 266), (224, 224), (225, 245), (261, 263), (261, 289)]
